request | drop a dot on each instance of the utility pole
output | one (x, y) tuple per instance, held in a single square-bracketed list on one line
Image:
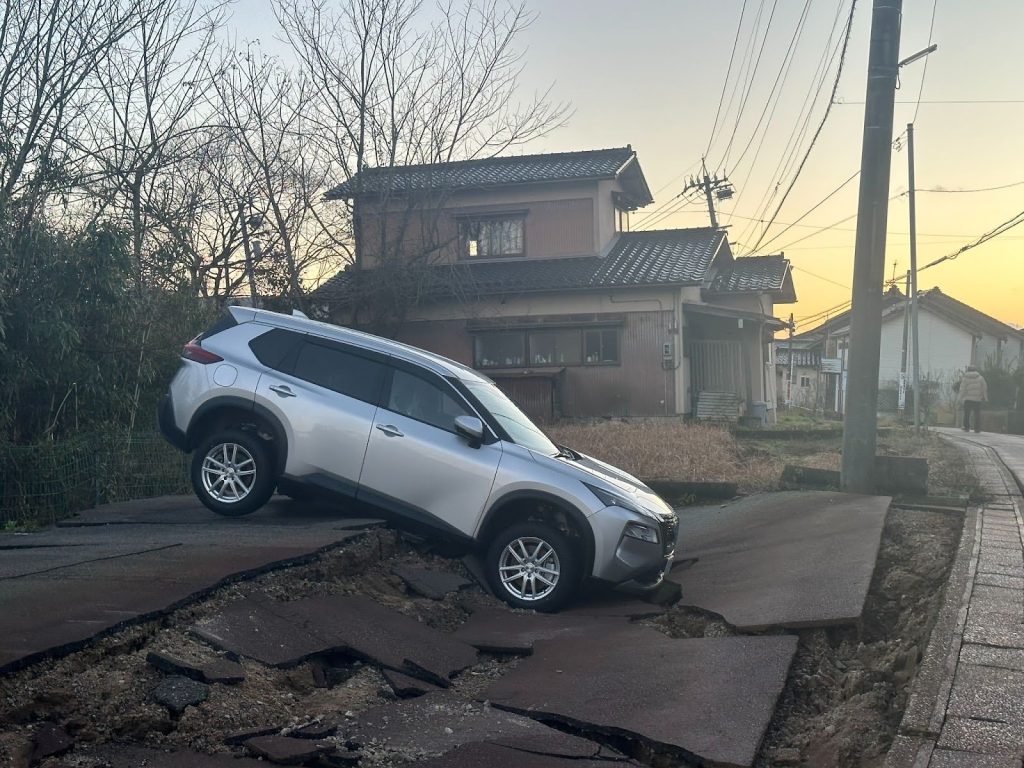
[(901, 403), (789, 389), (712, 187), (913, 281), (861, 419)]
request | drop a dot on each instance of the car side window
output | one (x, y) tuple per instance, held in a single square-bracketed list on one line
[(343, 372), (424, 401)]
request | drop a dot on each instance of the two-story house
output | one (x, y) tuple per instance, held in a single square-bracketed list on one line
[(525, 268)]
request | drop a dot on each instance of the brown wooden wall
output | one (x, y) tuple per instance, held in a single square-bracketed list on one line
[(639, 386), (553, 228)]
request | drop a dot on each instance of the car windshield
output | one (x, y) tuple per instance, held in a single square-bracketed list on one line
[(518, 425)]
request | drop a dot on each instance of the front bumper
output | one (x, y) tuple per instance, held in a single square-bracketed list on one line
[(619, 558)]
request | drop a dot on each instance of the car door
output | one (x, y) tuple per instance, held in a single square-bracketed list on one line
[(327, 399), (416, 464)]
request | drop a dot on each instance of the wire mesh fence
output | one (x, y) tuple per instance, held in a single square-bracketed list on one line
[(46, 482)]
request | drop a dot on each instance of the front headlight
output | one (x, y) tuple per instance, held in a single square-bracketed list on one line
[(642, 532), (612, 499)]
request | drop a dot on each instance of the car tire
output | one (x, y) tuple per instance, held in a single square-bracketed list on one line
[(551, 554), (232, 472)]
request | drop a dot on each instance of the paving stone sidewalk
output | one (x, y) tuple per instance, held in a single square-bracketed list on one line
[(967, 705)]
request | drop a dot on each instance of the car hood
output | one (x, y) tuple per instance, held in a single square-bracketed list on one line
[(587, 469)]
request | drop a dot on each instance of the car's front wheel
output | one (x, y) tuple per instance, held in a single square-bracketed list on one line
[(532, 565), (232, 473)]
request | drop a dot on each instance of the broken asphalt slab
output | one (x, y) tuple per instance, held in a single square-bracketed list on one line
[(496, 630), (791, 559), (59, 588), (284, 634), (500, 756), (708, 699), (439, 722), (135, 757)]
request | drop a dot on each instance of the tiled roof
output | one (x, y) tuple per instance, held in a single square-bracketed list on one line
[(488, 172), (752, 273), (967, 314), (933, 299), (662, 257)]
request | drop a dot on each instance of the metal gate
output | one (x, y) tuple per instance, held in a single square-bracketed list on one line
[(717, 366)]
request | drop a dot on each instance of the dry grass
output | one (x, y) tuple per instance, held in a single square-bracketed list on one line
[(948, 470), (665, 449), (668, 449)]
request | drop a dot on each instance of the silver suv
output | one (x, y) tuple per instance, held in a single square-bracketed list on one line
[(264, 400)]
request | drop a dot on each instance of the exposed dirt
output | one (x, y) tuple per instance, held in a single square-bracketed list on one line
[(841, 704)]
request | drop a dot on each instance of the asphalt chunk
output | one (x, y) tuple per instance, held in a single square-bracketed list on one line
[(439, 722), (495, 630), (284, 634), (706, 698), (430, 582)]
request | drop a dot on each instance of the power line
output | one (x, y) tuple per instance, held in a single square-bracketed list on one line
[(844, 102), (979, 189), (787, 64), (924, 73), (739, 81), (821, 125), (750, 84), (822, 277), (993, 233), (812, 209), (725, 83), (802, 121)]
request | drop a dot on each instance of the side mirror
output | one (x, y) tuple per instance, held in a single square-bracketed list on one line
[(471, 428)]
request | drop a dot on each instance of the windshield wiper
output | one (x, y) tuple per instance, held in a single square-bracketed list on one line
[(566, 453)]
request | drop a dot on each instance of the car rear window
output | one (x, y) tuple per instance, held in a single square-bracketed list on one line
[(224, 322), (273, 347)]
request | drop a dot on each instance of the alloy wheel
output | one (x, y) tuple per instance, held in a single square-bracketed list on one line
[(229, 472), (529, 568)]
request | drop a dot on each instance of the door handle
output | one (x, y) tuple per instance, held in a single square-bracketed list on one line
[(390, 430), (281, 390)]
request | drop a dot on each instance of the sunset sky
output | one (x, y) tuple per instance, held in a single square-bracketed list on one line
[(651, 74)]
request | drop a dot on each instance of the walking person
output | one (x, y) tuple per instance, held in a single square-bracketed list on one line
[(973, 392)]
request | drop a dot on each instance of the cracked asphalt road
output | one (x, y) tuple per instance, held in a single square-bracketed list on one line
[(128, 562)]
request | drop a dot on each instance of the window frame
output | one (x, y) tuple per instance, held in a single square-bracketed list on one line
[(526, 333), (435, 380), (618, 346), (467, 220), (345, 349)]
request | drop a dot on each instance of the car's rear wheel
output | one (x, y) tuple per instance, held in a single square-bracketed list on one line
[(232, 472), (532, 565)]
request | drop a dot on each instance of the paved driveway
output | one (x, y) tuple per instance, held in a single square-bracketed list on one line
[(126, 562)]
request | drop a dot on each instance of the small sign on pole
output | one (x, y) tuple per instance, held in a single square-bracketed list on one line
[(831, 365)]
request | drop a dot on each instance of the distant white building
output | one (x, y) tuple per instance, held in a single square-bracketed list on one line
[(952, 335)]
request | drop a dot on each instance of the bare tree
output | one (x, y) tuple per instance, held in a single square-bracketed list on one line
[(51, 51), (387, 88), (264, 106), (153, 114)]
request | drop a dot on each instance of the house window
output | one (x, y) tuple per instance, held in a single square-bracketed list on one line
[(493, 237), (497, 350), (560, 347), (805, 382), (601, 346), (557, 347)]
